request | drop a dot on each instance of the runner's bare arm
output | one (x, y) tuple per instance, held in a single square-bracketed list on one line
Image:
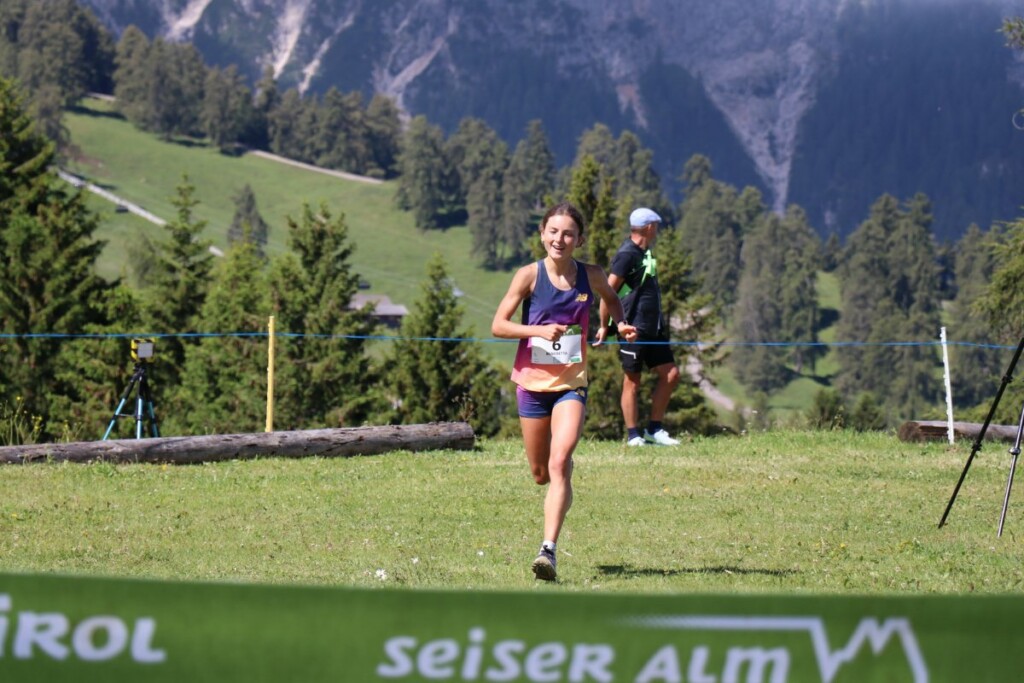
[(610, 305)]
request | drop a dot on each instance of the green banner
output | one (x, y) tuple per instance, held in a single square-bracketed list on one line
[(55, 628)]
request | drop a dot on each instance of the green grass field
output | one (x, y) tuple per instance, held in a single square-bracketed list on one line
[(782, 512)]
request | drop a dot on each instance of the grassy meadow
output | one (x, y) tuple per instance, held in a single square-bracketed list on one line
[(780, 512)]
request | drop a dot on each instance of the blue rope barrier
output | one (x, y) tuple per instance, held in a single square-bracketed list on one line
[(482, 340)]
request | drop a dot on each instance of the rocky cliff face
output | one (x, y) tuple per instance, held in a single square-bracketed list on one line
[(760, 63)]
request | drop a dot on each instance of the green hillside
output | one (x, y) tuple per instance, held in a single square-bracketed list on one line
[(391, 253)]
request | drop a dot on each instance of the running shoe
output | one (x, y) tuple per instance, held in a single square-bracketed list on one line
[(660, 438), (544, 565), (636, 441)]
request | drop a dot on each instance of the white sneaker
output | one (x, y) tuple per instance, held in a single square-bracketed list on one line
[(636, 441), (660, 438)]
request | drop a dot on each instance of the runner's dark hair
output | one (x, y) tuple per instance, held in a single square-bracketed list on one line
[(565, 209)]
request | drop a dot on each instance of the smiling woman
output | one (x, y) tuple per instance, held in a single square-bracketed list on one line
[(550, 369)]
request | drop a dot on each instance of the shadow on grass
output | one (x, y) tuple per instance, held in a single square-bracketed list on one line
[(98, 113), (626, 571)]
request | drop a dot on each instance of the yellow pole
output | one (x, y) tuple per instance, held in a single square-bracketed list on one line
[(270, 376)]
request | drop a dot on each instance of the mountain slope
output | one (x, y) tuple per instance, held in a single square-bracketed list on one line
[(763, 87)]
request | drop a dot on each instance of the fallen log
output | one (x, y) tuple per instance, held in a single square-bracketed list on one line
[(937, 430), (184, 450)]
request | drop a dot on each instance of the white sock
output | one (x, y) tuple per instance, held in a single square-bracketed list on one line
[(550, 545)]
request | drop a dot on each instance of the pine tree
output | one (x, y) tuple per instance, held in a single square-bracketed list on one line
[(888, 284), (265, 99), (437, 374), (61, 52), (583, 186), (224, 386), (777, 300), (915, 387), (484, 204), (598, 143), (96, 371), (690, 311), (48, 254), (480, 158), (975, 368), (428, 182), (714, 219), (758, 312), (326, 378), (159, 85), (384, 134), (603, 232), (283, 125), (49, 285), (342, 133), (1002, 304), (1001, 307), (864, 277), (636, 179), (799, 290), (528, 179), (177, 74), (25, 155), (247, 223), (468, 149), (132, 79), (179, 281), (306, 130), (226, 110)]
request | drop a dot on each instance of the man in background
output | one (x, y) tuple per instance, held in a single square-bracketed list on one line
[(634, 276)]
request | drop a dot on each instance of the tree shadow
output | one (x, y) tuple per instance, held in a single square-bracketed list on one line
[(452, 219), (96, 113), (827, 317), (625, 571), (183, 141), (233, 150)]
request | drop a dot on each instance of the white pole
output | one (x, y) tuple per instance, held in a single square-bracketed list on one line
[(949, 387), (270, 375)]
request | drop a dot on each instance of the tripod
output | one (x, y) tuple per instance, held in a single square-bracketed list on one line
[(143, 399), (1014, 450)]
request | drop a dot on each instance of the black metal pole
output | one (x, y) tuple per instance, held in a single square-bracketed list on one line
[(1015, 452), (148, 396), (1007, 378)]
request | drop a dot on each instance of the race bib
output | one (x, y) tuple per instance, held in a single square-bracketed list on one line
[(567, 350)]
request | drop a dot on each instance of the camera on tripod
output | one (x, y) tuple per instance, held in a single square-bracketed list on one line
[(142, 354), (142, 350)]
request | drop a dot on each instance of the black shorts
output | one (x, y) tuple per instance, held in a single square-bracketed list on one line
[(650, 352)]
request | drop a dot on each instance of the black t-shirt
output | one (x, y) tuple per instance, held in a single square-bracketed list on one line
[(638, 269)]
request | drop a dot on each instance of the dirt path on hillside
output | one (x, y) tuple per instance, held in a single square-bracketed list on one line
[(695, 369), (316, 169)]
